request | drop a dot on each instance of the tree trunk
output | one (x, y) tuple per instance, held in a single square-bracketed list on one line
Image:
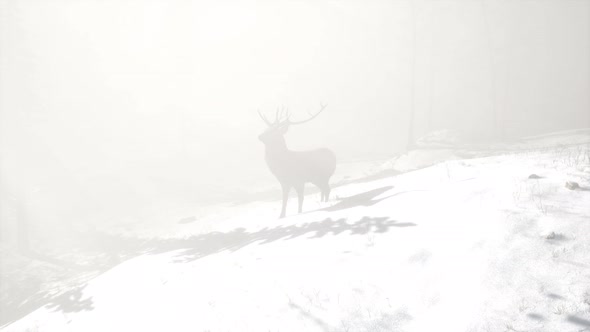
[(411, 137), (497, 130), (22, 226)]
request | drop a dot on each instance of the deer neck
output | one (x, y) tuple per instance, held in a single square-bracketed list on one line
[(277, 155), (276, 148)]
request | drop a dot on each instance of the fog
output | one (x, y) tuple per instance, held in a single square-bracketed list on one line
[(108, 107), (141, 112)]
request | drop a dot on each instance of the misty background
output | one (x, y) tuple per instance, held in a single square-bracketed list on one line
[(108, 107)]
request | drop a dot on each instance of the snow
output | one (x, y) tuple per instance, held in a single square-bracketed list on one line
[(454, 245)]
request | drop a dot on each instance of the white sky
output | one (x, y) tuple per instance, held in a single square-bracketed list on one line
[(116, 86)]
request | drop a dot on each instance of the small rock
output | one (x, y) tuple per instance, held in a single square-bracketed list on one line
[(534, 176), (551, 236), (571, 185)]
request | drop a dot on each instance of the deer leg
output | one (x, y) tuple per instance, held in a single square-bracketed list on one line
[(300, 196), (325, 191), (285, 198)]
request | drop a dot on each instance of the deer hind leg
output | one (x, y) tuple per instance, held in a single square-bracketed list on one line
[(325, 191), (285, 199), (300, 196)]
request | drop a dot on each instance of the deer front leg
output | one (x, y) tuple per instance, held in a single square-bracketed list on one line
[(326, 193), (300, 196), (285, 198)]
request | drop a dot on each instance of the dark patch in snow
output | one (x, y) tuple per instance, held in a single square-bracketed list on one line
[(555, 237), (555, 296), (535, 176), (535, 316), (578, 321)]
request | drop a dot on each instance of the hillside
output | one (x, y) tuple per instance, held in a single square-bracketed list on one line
[(464, 238)]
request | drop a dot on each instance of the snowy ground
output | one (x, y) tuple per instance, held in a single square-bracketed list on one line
[(467, 244)]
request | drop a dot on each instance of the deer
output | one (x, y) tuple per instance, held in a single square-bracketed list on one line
[(295, 168)]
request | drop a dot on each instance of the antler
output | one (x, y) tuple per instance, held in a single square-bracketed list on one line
[(282, 116), (281, 113), (311, 118), (264, 119)]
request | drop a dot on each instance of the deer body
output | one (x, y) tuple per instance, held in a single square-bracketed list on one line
[(295, 168)]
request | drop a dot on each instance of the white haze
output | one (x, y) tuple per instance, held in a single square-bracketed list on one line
[(172, 87), (110, 108)]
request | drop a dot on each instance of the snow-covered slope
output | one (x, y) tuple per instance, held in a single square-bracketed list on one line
[(463, 245)]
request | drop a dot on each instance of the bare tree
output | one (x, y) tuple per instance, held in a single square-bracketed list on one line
[(497, 127), (22, 226), (432, 80), (411, 137), (294, 168)]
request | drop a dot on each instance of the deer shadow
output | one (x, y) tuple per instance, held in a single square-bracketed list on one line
[(274, 194), (365, 199)]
